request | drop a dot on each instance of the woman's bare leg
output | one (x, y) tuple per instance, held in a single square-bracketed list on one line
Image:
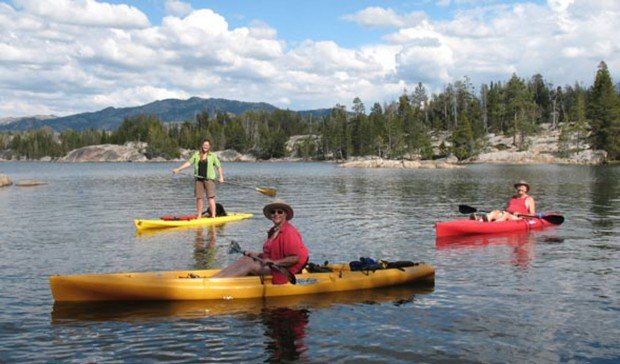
[(243, 267), (199, 207), (212, 206)]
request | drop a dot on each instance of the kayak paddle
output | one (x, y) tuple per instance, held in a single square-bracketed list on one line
[(271, 192), (553, 219), (235, 248)]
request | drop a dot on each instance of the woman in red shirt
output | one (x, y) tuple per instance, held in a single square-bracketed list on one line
[(284, 247)]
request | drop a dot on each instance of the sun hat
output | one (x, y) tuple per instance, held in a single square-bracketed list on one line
[(522, 183), (281, 205)]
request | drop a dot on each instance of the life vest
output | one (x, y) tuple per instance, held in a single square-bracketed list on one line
[(517, 204)]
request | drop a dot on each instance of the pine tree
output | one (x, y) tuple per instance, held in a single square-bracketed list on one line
[(522, 110), (357, 125), (604, 113), (463, 139)]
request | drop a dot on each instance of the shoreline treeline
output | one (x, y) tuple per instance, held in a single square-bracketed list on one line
[(400, 129)]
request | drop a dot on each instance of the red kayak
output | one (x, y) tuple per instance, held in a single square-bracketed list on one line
[(470, 227)]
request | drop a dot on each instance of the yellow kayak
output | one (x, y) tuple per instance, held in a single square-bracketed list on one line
[(205, 221), (144, 310), (196, 284)]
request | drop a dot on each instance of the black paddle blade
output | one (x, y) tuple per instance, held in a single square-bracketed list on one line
[(465, 209), (234, 247), (554, 219), (291, 277)]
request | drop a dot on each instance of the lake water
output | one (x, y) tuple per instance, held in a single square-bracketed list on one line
[(542, 297)]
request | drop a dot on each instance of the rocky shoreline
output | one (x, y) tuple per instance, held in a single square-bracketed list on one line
[(543, 149)]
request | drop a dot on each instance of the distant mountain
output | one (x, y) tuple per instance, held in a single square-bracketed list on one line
[(170, 110), (26, 120), (315, 112)]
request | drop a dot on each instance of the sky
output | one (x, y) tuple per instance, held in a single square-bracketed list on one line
[(61, 57)]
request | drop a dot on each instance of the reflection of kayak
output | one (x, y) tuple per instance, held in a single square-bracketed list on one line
[(514, 239), (205, 221), (132, 311), (196, 285), (469, 227), (521, 244), (172, 230)]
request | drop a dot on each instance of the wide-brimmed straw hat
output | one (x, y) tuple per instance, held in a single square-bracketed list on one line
[(278, 205), (523, 183)]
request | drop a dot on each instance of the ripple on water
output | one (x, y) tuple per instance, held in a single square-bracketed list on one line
[(549, 296)]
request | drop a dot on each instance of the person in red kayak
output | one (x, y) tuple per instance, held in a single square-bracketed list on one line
[(519, 204), (284, 247), (205, 163)]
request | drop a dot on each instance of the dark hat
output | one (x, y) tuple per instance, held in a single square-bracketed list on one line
[(278, 204), (523, 183)]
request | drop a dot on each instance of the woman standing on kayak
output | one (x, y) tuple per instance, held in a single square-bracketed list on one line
[(283, 248), (519, 204), (204, 163)]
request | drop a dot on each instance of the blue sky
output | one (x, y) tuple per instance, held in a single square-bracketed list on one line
[(316, 19), (67, 56)]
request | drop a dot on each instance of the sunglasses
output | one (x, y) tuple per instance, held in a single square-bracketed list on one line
[(277, 212)]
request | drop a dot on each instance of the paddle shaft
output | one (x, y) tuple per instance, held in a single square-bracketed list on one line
[(291, 278), (235, 248), (271, 192), (264, 190)]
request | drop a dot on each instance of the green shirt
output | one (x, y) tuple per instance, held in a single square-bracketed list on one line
[(212, 163)]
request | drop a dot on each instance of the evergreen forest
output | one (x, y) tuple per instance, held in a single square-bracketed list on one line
[(402, 128)]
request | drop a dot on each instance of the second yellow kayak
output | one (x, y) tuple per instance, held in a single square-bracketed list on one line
[(205, 221)]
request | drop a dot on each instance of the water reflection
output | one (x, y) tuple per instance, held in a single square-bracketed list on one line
[(204, 249), (286, 329), (605, 190), (284, 319), (523, 244)]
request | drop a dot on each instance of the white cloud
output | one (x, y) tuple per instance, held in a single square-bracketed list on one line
[(86, 13), (52, 61), (177, 8), (382, 17), (563, 41), (137, 96)]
